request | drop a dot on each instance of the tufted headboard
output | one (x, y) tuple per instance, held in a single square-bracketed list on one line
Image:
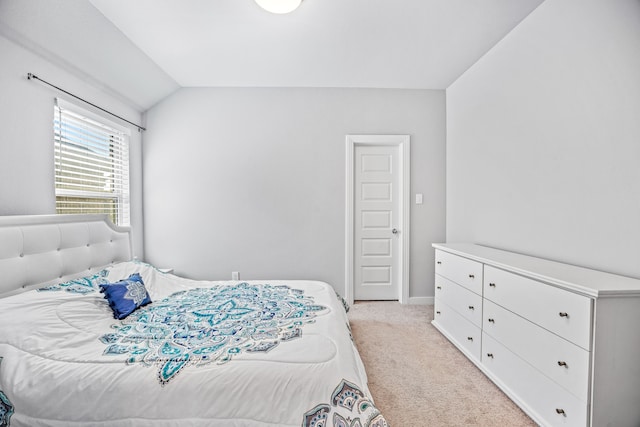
[(39, 250)]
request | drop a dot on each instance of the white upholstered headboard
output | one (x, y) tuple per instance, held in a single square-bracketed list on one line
[(38, 250)]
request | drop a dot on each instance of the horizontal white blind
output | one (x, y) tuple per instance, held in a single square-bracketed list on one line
[(91, 166)]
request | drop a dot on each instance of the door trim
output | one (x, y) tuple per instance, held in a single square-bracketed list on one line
[(402, 141)]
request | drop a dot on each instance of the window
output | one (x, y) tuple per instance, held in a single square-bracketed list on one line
[(91, 164)]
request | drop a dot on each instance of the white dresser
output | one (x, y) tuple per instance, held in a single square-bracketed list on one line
[(561, 341)]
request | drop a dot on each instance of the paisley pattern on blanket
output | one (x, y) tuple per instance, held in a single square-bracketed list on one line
[(6, 410), (343, 301), (204, 325), (348, 407), (82, 285)]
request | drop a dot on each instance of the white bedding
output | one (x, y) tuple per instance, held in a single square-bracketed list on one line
[(236, 361)]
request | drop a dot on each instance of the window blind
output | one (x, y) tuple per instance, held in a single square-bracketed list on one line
[(91, 165)]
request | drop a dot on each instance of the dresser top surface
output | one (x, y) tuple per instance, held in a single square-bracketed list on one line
[(592, 283)]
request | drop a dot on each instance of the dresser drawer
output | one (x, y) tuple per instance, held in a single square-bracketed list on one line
[(543, 399), (464, 334), (465, 302), (559, 311), (562, 361), (462, 271)]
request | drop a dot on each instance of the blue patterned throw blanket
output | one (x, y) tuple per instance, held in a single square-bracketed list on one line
[(348, 407), (6, 410), (206, 325)]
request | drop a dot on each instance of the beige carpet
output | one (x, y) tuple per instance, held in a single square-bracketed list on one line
[(418, 378)]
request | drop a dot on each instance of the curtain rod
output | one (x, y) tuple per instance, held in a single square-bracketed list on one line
[(33, 76)]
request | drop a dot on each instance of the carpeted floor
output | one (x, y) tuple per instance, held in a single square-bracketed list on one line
[(418, 378)]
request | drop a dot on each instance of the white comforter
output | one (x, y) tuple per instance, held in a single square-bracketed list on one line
[(65, 361)]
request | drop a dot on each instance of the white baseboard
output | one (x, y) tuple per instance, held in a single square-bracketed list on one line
[(421, 300)]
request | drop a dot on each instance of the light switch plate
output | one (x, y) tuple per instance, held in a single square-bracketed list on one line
[(419, 199)]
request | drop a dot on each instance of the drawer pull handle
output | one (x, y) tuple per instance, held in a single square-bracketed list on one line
[(490, 355), (437, 312), (438, 287), (563, 314), (492, 285), (470, 307), (561, 412), (438, 262), (471, 276), (491, 320), (561, 363), (469, 338)]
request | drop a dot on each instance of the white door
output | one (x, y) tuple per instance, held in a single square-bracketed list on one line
[(377, 224)]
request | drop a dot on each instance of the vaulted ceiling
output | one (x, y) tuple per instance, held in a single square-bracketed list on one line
[(146, 49)]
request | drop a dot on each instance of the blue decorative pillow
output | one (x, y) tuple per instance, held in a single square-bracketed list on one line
[(126, 295)]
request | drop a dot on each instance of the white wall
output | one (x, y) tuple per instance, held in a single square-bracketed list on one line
[(253, 180), (543, 138), (26, 134)]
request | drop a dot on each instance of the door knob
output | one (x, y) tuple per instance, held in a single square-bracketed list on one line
[(394, 231)]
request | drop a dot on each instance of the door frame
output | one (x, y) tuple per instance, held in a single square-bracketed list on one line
[(403, 142)]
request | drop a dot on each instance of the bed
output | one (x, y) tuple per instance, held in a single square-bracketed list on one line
[(202, 353)]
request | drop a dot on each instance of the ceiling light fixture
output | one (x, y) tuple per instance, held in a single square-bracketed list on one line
[(279, 6)]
